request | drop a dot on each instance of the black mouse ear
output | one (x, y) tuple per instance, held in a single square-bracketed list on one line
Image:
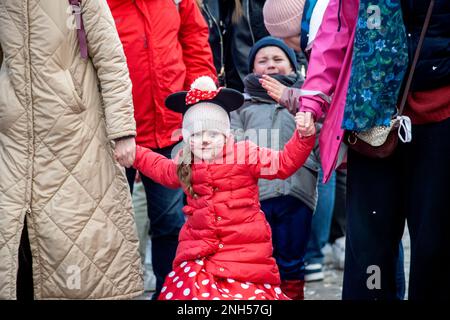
[(229, 99), (177, 102)]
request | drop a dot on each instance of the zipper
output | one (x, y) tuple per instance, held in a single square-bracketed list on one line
[(30, 116), (339, 16), (247, 9), (222, 66), (149, 53)]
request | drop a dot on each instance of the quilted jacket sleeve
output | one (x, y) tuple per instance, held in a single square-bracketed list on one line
[(106, 52), (193, 37), (270, 164), (157, 167)]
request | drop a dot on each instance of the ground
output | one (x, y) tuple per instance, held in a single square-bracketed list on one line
[(331, 287)]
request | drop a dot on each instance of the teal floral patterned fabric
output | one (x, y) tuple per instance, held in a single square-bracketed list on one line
[(380, 60)]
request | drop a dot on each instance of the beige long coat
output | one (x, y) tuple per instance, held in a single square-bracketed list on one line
[(58, 117)]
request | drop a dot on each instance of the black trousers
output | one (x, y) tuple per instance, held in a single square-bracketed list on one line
[(25, 273), (337, 228), (410, 186)]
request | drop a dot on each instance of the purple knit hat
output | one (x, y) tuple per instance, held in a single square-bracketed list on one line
[(283, 18)]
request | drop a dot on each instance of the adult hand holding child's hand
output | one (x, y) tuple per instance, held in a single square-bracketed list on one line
[(305, 124), (125, 151)]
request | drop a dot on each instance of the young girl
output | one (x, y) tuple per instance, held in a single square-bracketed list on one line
[(288, 204), (225, 248)]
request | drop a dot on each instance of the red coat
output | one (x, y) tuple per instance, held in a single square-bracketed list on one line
[(166, 49), (225, 223)]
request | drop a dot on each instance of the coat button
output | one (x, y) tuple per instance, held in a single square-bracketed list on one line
[(195, 196), (219, 218), (221, 245), (221, 269)]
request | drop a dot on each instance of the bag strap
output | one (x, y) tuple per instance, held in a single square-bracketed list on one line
[(81, 32), (416, 58)]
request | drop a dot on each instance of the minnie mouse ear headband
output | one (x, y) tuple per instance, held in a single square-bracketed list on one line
[(203, 89)]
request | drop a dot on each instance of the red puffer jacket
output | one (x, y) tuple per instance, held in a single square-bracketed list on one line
[(225, 223), (167, 49)]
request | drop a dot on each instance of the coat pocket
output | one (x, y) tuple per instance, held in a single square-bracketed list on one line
[(76, 104), (10, 107), (188, 210), (240, 203)]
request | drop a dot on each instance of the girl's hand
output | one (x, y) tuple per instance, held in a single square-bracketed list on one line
[(125, 151), (274, 88), (305, 124)]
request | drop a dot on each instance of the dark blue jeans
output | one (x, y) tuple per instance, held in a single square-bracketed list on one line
[(290, 221), (164, 208), (411, 185)]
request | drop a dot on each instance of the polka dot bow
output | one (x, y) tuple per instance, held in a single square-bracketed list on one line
[(195, 95)]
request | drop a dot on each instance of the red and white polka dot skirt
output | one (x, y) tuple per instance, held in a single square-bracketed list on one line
[(190, 281)]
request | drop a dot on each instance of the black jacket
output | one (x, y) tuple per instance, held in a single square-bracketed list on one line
[(231, 43), (433, 67)]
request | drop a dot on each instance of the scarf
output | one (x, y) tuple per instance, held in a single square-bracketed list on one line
[(255, 90), (379, 63)]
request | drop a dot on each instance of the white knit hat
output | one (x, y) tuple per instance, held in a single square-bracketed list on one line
[(205, 107), (205, 116), (283, 18)]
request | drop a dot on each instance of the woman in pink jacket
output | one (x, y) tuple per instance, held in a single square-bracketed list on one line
[(225, 246), (410, 185)]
